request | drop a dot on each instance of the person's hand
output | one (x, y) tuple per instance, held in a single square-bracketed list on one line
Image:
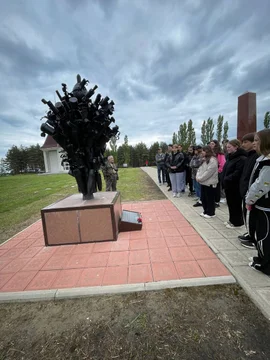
[(173, 167), (248, 207)]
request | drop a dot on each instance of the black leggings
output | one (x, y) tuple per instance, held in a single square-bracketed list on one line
[(234, 202), (262, 235), (208, 199)]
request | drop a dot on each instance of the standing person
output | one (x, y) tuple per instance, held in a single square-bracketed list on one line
[(247, 239), (207, 176), (195, 163), (110, 173), (183, 177), (215, 146), (175, 163), (189, 181), (258, 198), (160, 161), (168, 153), (232, 172)]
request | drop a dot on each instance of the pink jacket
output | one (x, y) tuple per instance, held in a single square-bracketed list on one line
[(221, 162)]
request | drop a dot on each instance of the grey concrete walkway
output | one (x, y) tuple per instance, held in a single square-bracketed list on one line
[(225, 244)]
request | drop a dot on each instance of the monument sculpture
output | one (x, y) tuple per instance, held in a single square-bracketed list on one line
[(246, 114), (82, 128)]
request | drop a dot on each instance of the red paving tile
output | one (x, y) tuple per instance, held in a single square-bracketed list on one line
[(160, 255), (166, 248), (98, 259), (139, 257), (164, 271), (67, 278), (213, 267), (188, 269), (115, 275), (181, 254), (91, 277), (19, 281), (43, 280), (140, 273), (118, 258)]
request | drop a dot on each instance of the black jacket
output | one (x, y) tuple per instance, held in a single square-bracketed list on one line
[(233, 168), (175, 159), (252, 156)]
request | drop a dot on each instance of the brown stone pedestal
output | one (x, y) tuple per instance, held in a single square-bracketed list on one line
[(246, 118), (74, 220)]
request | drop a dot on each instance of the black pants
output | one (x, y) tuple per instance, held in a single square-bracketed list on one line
[(218, 189), (262, 235), (208, 199), (249, 220), (234, 202), (189, 180), (168, 179)]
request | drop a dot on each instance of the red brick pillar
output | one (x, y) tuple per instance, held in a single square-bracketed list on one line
[(246, 117)]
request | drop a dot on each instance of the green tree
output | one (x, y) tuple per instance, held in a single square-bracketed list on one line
[(141, 154), (209, 130), (225, 131), (266, 121), (191, 136), (174, 138), (34, 157), (16, 159), (126, 150), (203, 133), (113, 147), (219, 128), (183, 136), (153, 149), (120, 156)]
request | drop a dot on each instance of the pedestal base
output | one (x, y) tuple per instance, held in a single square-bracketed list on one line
[(74, 220)]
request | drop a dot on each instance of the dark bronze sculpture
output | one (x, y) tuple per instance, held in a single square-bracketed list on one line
[(82, 128)]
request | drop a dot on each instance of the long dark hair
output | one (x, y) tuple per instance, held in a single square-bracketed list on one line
[(217, 149), (208, 153)]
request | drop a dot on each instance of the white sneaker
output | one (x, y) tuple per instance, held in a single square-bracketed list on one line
[(178, 195), (208, 216), (174, 194), (226, 223), (196, 199), (202, 214), (223, 201)]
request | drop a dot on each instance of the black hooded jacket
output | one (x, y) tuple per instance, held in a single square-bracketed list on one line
[(252, 156), (233, 168)]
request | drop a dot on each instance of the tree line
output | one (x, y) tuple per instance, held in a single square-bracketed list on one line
[(28, 159), (23, 159)]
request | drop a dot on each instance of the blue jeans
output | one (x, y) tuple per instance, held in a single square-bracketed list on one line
[(197, 188), (161, 169)]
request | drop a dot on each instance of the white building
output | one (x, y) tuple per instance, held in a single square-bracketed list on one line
[(52, 157)]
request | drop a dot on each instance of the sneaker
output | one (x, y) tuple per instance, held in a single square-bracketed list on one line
[(160, 184), (231, 226), (245, 237), (223, 201), (208, 216), (178, 195), (217, 205), (198, 203), (202, 214), (174, 194), (248, 244), (196, 199), (255, 266), (226, 223)]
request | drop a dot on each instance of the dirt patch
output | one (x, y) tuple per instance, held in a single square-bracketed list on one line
[(215, 322)]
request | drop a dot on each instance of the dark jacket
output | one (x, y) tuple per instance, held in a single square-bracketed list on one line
[(233, 168), (176, 159), (252, 156)]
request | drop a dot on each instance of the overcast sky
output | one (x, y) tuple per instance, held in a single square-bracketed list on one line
[(162, 62)]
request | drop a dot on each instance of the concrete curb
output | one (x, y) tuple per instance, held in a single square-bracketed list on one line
[(72, 293)]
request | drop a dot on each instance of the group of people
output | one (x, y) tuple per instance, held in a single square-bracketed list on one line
[(240, 173)]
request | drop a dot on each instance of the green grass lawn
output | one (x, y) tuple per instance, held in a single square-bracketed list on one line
[(23, 196)]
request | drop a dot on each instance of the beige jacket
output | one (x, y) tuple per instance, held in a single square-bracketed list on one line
[(207, 174)]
